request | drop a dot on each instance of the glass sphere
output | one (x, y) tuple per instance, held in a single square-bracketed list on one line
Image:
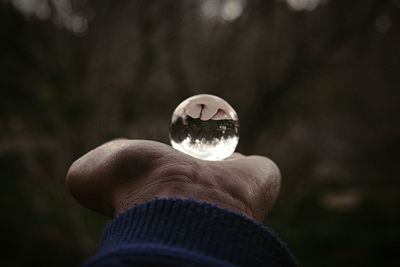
[(205, 127)]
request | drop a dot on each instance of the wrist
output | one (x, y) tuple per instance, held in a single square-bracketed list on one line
[(191, 231), (179, 187)]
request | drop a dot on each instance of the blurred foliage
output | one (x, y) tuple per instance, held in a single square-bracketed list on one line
[(314, 83)]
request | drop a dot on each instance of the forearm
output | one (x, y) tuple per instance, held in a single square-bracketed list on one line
[(168, 232)]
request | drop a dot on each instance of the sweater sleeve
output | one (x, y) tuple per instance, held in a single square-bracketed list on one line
[(175, 232)]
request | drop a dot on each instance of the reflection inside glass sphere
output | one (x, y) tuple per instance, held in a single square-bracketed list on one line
[(205, 127)]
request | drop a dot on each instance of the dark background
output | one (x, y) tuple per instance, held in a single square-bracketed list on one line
[(314, 83)]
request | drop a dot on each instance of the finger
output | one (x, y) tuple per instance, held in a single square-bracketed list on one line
[(267, 178), (93, 177), (207, 112), (235, 155), (193, 111), (221, 115), (264, 165)]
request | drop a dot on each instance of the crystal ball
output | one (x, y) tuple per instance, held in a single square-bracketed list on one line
[(205, 127)]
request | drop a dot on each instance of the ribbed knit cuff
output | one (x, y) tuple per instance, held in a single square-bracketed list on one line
[(194, 230)]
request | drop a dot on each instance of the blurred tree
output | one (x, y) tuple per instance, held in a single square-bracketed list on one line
[(314, 83)]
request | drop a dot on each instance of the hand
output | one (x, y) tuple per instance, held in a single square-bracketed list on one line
[(206, 107), (122, 173)]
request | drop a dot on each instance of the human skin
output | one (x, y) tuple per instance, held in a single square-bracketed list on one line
[(206, 107), (122, 173)]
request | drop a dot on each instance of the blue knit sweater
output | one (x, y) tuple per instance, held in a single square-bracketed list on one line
[(173, 232)]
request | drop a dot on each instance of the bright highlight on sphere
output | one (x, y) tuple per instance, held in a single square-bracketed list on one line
[(205, 127)]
